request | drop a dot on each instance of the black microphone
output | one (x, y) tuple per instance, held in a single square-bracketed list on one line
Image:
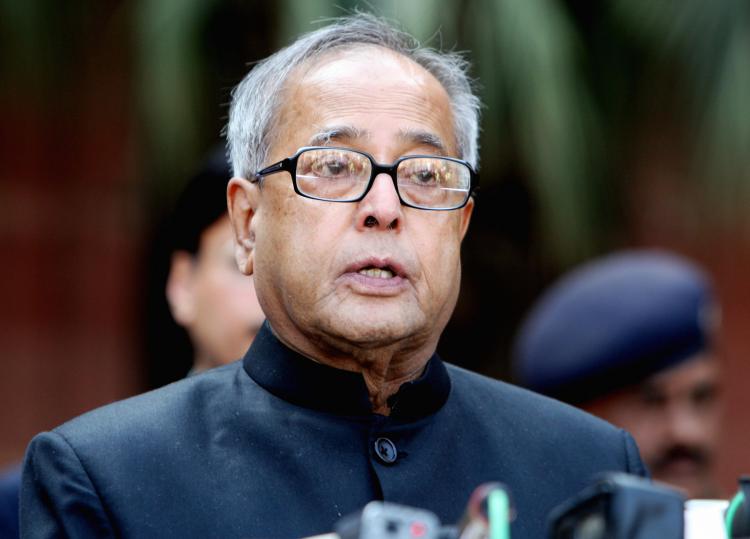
[(620, 506)]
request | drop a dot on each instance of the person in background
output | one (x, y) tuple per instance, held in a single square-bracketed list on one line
[(207, 294), (632, 338)]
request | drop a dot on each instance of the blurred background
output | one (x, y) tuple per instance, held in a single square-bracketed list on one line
[(606, 125)]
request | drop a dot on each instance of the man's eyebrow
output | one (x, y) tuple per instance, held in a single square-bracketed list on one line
[(337, 133), (348, 133), (423, 138)]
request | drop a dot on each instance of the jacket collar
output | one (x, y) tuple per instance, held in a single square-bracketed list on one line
[(299, 380)]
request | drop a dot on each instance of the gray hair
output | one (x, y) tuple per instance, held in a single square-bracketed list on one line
[(256, 102)]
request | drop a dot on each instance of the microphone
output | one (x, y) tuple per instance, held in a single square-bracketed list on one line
[(737, 517), (384, 520), (620, 506), (488, 513), (487, 516), (616, 506)]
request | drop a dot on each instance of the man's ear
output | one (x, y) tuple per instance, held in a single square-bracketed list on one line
[(466, 212), (179, 289), (242, 201)]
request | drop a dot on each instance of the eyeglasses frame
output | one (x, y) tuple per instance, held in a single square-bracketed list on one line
[(289, 165)]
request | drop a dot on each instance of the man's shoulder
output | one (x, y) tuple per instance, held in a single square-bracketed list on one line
[(157, 412), (515, 405), (525, 426)]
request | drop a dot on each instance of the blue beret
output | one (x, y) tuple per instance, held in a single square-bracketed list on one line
[(613, 322)]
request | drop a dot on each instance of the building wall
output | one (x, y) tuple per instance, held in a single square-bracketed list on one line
[(70, 233)]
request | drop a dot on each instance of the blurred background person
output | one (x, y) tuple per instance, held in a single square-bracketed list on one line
[(207, 294), (632, 338)]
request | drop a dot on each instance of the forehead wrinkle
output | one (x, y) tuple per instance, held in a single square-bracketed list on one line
[(345, 97), (324, 96), (342, 98)]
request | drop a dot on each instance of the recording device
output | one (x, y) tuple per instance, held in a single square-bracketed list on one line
[(617, 506), (487, 516), (383, 520), (737, 517), (620, 506)]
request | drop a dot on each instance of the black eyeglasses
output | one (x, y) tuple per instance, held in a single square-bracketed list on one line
[(426, 182)]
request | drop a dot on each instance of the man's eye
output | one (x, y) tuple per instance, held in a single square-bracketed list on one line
[(652, 397), (704, 394), (421, 176), (425, 176), (427, 172), (330, 167)]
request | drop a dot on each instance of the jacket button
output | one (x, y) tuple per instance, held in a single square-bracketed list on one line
[(386, 450)]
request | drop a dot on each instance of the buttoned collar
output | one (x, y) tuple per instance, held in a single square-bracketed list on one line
[(299, 380)]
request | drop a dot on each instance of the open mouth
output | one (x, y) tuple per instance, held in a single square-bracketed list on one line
[(378, 273)]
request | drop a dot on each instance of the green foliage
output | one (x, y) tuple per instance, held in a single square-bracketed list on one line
[(709, 43), (563, 92), (536, 96), (169, 85)]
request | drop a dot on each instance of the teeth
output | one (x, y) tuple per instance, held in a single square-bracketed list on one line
[(377, 273)]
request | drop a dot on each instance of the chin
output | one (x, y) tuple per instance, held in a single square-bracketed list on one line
[(376, 333)]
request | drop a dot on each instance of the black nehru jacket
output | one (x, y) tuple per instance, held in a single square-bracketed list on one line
[(280, 446)]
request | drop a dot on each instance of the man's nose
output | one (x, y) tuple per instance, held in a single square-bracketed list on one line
[(381, 208), (685, 425)]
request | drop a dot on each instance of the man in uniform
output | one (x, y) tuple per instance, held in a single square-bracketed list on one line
[(631, 338)]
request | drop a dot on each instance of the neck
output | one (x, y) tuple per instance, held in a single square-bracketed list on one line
[(201, 363), (384, 368), (384, 374)]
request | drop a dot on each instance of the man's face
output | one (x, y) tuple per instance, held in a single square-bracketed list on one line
[(213, 300), (311, 258), (674, 417)]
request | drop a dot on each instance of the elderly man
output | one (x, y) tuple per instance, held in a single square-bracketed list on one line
[(631, 338), (352, 151)]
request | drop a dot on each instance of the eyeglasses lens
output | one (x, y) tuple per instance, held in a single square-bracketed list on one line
[(432, 182), (342, 175), (333, 174)]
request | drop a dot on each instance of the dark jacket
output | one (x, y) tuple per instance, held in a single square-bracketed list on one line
[(10, 482), (280, 446)]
